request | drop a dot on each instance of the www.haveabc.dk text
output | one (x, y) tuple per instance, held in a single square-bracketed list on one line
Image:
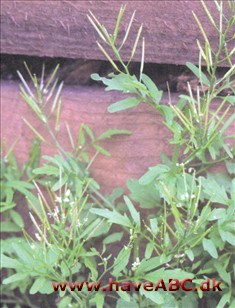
[(171, 285)]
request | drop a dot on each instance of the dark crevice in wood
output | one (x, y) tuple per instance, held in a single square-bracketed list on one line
[(77, 72)]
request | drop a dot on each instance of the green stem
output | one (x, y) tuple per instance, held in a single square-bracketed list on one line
[(176, 153)]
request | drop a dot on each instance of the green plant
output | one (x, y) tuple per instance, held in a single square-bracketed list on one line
[(15, 184), (191, 230), (63, 244)]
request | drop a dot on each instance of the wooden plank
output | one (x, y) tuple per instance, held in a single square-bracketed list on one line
[(131, 155), (61, 28)]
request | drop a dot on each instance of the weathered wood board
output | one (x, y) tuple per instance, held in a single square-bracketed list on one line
[(61, 28), (130, 155)]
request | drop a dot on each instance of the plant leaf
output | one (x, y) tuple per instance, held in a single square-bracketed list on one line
[(202, 77), (113, 132), (124, 104), (14, 278), (209, 246), (134, 214)]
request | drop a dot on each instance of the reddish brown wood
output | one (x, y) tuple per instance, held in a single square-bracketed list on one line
[(131, 155), (61, 28)]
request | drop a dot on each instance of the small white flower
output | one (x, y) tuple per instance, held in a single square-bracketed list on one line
[(190, 170), (66, 199), (58, 199), (67, 194), (38, 237), (192, 196), (135, 264), (55, 213), (85, 219), (185, 197), (32, 246), (78, 223)]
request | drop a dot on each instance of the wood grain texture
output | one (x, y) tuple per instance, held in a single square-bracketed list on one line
[(131, 155), (61, 28)]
